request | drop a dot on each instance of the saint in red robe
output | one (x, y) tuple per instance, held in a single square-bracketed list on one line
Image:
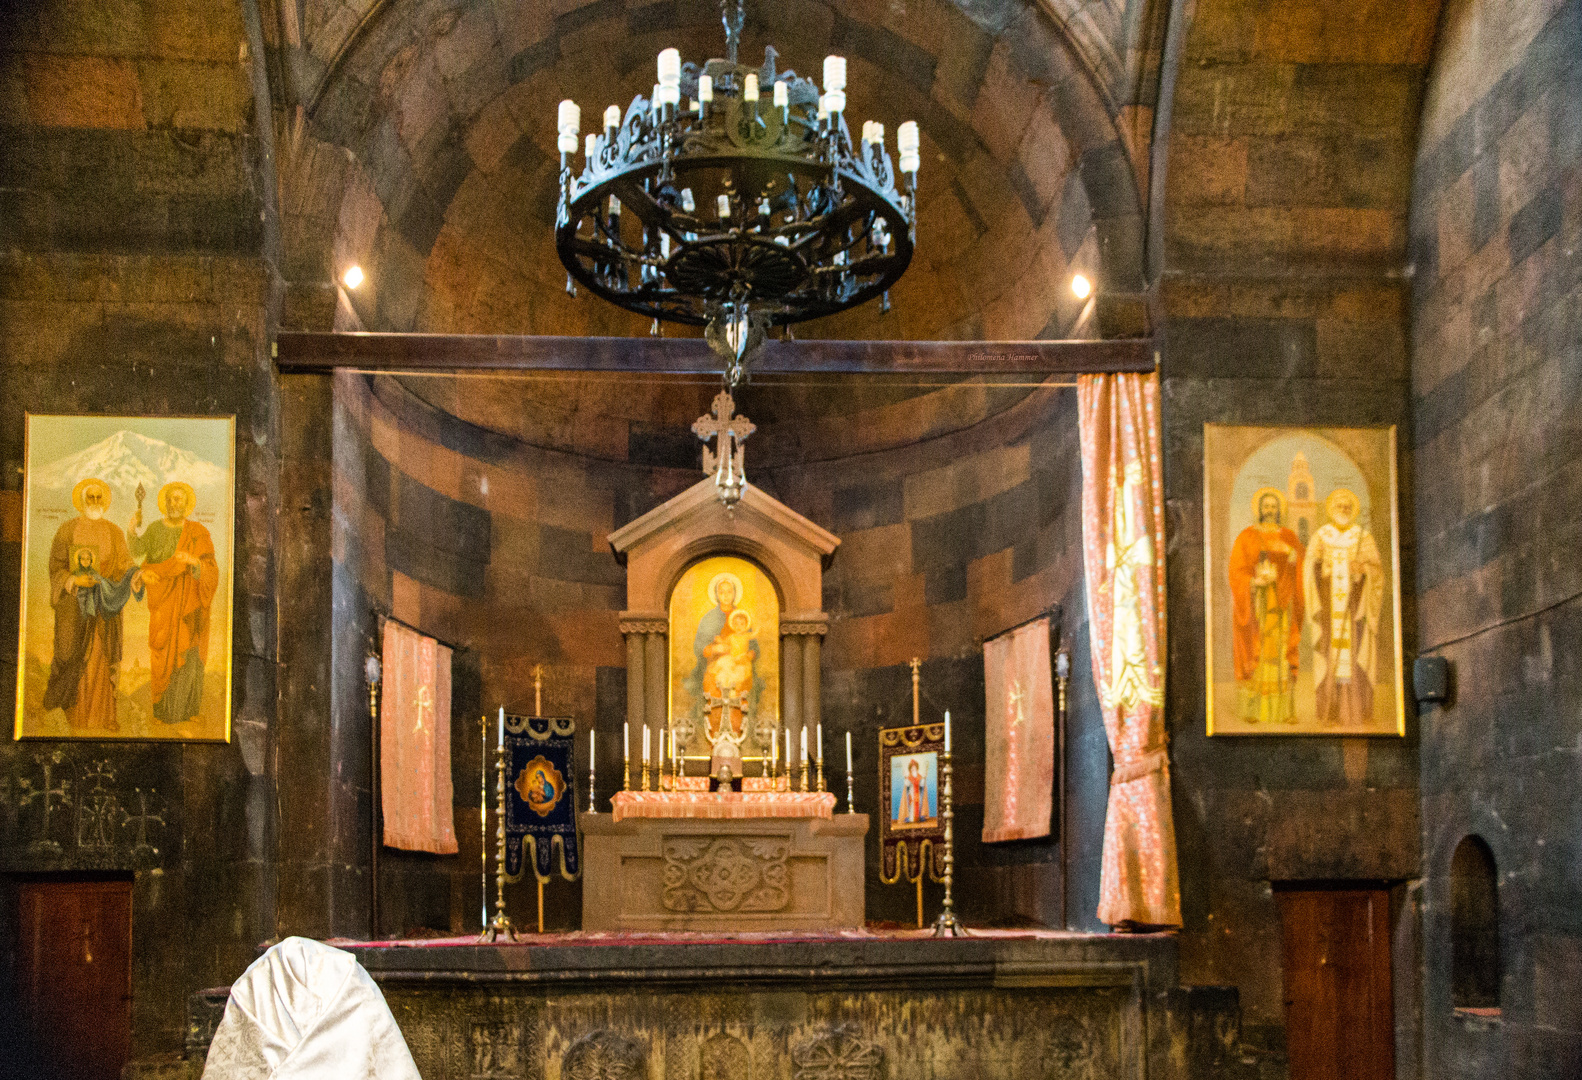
[(181, 576)]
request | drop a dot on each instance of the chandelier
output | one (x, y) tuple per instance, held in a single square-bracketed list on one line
[(733, 198)]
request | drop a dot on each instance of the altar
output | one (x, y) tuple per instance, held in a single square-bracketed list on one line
[(723, 821)]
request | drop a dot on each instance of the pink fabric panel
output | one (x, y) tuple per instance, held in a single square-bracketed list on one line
[(1123, 540), (1019, 733), (721, 805), (414, 743)]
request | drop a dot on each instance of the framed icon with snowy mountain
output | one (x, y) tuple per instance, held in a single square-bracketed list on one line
[(128, 526)]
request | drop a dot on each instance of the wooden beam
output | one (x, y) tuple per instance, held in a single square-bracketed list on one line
[(300, 352)]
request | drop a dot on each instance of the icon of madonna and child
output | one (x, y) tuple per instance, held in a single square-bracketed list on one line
[(724, 640)]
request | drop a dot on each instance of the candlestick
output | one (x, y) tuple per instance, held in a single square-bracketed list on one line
[(804, 760), (593, 758), (626, 755), (851, 785), (947, 925), (483, 812), (501, 923), (774, 759), (645, 759)]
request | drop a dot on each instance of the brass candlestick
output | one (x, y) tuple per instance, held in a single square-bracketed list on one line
[(592, 757), (805, 777), (947, 925), (851, 793), (501, 923), (483, 815)]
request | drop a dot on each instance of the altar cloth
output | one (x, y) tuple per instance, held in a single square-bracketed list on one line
[(722, 805)]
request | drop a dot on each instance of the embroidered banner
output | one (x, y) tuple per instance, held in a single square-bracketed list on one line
[(540, 796), (1019, 734), (911, 831), (1123, 545), (414, 743)]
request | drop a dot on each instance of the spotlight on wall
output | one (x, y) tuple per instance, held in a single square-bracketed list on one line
[(353, 276), (1081, 286)]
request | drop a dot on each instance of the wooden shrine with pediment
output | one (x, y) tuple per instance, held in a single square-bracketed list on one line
[(725, 822)]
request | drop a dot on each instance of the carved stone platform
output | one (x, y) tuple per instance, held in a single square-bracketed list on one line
[(744, 874), (849, 1006)]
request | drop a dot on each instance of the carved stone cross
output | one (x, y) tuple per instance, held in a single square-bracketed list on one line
[(731, 431)]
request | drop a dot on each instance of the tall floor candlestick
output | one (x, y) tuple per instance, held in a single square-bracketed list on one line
[(483, 812), (947, 925), (501, 924)]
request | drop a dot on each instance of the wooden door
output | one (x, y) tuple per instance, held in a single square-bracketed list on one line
[(75, 974), (1339, 1021)]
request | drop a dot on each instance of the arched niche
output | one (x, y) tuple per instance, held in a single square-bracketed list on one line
[(1474, 927), (658, 547)]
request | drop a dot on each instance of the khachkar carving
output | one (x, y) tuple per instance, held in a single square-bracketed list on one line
[(837, 1054), (85, 821), (603, 1055), (726, 873), (52, 793), (497, 1051)]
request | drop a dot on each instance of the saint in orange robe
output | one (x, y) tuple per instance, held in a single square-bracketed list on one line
[(1266, 610), (179, 598)]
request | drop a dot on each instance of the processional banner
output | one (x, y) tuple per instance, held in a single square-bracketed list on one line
[(540, 796), (911, 831), (414, 743), (1019, 735)]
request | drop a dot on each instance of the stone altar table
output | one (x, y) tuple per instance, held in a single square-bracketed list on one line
[(685, 860)]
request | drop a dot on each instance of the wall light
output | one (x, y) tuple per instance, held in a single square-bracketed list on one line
[(353, 276), (1081, 286)]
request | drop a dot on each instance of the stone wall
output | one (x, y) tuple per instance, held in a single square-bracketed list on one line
[(1279, 235), (136, 212), (1496, 374)]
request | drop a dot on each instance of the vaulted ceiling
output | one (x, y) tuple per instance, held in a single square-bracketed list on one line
[(423, 149)]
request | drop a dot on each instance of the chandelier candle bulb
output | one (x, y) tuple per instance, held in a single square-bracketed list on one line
[(705, 89), (687, 205), (724, 205), (590, 145), (878, 134), (834, 73), (670, 67), (612, 119), (750, 88)]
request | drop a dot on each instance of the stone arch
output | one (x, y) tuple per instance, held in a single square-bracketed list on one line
[(1474, 926)]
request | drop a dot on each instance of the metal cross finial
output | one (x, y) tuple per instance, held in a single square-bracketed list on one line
[(727, 460), (733, 21)]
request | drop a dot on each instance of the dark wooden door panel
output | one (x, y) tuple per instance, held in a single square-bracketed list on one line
[(75, 974), (1339, 1022)]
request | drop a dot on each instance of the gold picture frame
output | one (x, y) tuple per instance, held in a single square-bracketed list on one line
[(128, 566), (1289, 512)]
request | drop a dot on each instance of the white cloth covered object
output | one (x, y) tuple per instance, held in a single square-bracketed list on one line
[(306, 1011)]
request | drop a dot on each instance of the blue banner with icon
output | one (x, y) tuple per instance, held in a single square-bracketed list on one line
[(540, 796)]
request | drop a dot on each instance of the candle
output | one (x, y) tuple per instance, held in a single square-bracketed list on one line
[(848, 751), (804, 742), (788, 747), (947, 731), (774, 752), (626, 741), (592, 757), (502, 725), (821, 740), (645, 744)]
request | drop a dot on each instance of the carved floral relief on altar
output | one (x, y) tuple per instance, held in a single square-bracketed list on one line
[(726, 873), (724, 654), (837, 1054)]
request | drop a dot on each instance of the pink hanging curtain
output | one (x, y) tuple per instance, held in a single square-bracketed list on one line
[(1123, 539), (414, 743)]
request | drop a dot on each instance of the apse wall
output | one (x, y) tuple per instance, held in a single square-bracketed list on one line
[(1496, 376), (498, 546)]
